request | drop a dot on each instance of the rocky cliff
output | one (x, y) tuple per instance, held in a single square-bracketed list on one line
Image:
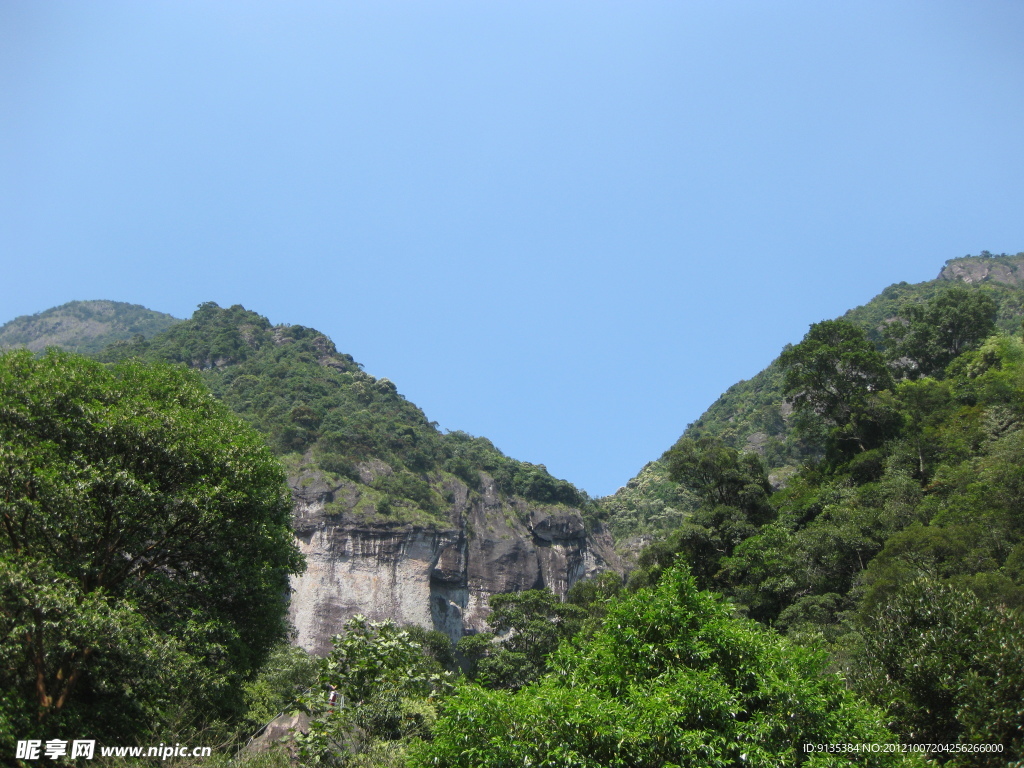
[(437, 576)]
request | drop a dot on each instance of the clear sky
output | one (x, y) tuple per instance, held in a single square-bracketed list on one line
[(565, 226)]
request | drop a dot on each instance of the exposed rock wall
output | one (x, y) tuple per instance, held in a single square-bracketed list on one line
[(438, 577)]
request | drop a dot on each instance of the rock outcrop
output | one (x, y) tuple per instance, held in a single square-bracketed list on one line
[(437, 576), (982, 269)]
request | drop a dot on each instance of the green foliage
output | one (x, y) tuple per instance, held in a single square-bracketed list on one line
[(928, 337), (752, 415), (145, 547), (650, 502), (288, 672), (734, 489), (292, 384), (719, 474), (835, 376), (384, 684), (370, 655), (471, 454), (948, 668), (671, 679), (406, 485), (437, 645), (531, 625), (877, 313), (594, 594)]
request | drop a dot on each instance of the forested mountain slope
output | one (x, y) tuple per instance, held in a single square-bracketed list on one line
[(893, 553), (752, 415), (397, 519), (898, 541), (83, 326)]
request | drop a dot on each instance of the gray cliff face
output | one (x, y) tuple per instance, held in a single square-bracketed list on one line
[(439, 577)]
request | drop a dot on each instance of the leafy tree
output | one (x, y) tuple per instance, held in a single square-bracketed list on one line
[(948, 669), (145, 546), (288, 673), (437, 645), (929, 336), (835, 375), (378, 684), (672, 678), (594, 594), (720, 474), (733, 488), (699, 545), (531, 625)]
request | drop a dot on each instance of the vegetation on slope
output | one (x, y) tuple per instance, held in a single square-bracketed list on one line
[(321, 411), (650, 502), (902, 546), (85, 327), (753, 415)]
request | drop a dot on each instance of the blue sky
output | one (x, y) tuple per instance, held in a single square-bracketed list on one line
[(566, 226)]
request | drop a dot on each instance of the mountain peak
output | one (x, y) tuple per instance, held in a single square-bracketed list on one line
[(83, 326)]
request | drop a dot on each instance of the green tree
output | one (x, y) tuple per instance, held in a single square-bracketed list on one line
[(835, 375), (720, 474), (377, 685), (287, 674), (928, 337), (531, 624), (948, 669), (672, 678), (145, 547), (594, 594), (733, 488)]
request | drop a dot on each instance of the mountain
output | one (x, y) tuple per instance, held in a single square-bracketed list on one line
[(83, 326), (397, 519), (752, 414), (887, 542), (447, 519)]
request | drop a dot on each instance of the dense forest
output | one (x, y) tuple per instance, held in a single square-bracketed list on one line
[(835, 557)]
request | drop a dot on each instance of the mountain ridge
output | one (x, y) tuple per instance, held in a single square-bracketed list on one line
[(83, 326), (396, 519), (752, 415)]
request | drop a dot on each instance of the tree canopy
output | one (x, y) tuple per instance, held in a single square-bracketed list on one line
[(835, 375), (947, 667), (927, 337), (671, 678), (145, 546)]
